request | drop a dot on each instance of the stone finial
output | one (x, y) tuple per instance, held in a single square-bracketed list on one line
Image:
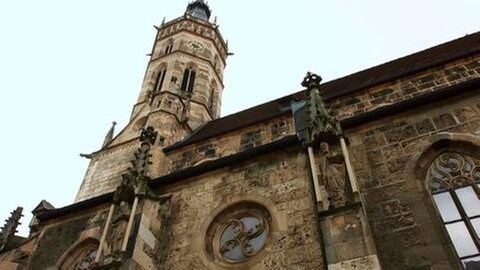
[(311, 80), (199, 9), (135, 180), (313, 118), (109, 136), (10, 227)]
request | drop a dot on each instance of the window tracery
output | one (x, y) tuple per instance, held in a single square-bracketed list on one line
[(242, 238), (86, 260), (238, 234), (453, 179)]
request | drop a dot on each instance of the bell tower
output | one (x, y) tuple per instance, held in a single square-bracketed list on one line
[(181, 90)]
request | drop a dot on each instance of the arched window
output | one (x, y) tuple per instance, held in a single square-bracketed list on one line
[(169, 47), (453, 180), (160, 79), (188, 80), (81, 257)]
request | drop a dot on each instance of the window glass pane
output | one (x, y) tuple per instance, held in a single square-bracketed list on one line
[(472, 263), (461, 239), (446, 206), (476, 225), (469, 200)]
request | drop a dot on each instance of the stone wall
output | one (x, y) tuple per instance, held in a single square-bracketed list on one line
[(231, 143), (56, 240), (278, 182), (105, 170), (407, 232)]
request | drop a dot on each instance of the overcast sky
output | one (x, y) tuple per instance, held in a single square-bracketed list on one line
[(68, 68)]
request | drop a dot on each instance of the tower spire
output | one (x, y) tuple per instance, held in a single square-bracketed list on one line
[(109, 136), (199, 9)]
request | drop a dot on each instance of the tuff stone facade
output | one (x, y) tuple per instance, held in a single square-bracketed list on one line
[(192, 188)]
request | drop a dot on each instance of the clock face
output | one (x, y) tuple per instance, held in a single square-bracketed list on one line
[(195, 45)]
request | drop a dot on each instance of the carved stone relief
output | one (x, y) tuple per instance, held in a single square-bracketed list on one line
[(333, 172)]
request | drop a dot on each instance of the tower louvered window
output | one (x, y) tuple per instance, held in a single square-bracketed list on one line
[(188, 80), (453, 180), (160, 79)]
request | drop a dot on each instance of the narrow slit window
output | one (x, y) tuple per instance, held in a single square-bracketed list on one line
[(160, 79), (212, 100)]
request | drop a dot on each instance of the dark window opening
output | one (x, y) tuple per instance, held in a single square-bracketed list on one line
[(160, 79), (188, 80), (212, 100), (168, 49), (161, 141)]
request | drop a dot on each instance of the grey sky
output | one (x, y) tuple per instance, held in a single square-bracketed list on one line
[(69, 68)]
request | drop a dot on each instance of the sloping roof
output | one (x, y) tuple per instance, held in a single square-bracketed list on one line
[(405, 66), (42, 207), (237, 120), (401, 67)]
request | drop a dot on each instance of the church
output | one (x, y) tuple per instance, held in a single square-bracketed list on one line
[(379, 169)]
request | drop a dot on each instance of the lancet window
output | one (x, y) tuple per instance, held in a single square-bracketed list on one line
[(188, 80), (160, 79)]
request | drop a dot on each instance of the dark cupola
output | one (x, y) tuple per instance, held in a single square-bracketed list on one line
[(199, 9)]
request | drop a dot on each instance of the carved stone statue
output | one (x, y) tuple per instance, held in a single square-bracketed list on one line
[(334, 174)]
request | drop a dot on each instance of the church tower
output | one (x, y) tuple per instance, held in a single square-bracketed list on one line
[(181, 91)]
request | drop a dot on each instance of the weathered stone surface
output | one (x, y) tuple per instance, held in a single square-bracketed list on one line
[(61, 237), (398, 215), (279, 179)]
